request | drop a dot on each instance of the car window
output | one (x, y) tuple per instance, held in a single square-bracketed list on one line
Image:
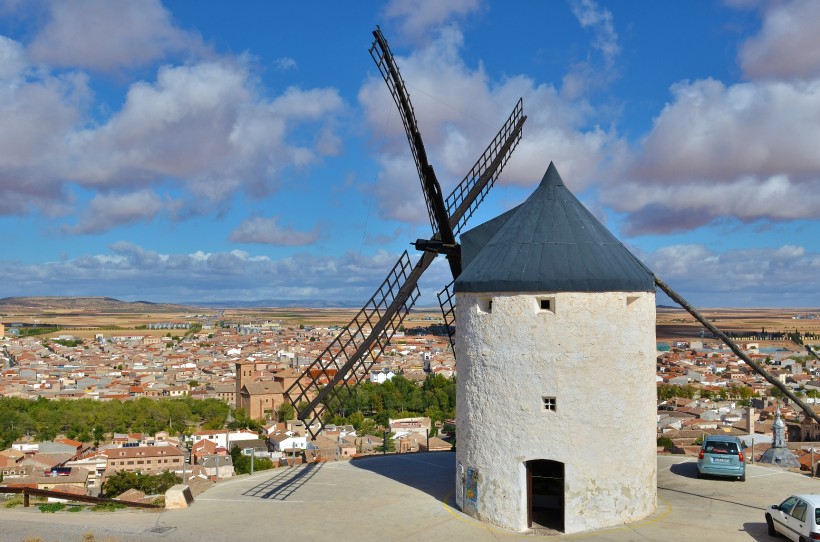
[(799, 511), (718, 447), (788, 504)]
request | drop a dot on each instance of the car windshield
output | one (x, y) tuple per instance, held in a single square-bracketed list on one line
[(817, 515), (717, 447)]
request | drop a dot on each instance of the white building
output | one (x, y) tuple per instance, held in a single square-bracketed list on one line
[(381, 376), (556, 358)]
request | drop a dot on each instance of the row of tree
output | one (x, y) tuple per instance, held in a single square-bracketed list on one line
[(87, 420), (368, 406), (732, 391)]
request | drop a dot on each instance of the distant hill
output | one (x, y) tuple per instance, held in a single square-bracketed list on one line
[(100, 304), (280, 303), (110, 304)]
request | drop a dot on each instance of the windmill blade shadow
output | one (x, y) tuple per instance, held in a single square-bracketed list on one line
[(283, 485)]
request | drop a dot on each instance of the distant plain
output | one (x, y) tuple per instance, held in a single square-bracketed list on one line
[(111, 317)]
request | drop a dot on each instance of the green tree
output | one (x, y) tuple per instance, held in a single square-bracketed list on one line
[(666, 442), (285, 412), (242, 463), (776, 392), (150, 484), (389, 444)]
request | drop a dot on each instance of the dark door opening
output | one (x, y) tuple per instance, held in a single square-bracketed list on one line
[(545, 494)]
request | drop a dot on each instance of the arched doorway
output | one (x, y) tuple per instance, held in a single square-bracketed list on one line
[(545, 494)]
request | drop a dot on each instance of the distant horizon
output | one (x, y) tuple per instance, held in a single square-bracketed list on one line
[(284, 303)]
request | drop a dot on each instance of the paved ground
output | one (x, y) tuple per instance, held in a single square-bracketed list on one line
[(407, 497)]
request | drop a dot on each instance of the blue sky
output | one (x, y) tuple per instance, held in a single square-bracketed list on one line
[(213, 151)]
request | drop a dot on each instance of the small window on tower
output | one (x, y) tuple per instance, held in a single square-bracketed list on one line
[(549, 403), (630, 301), (485, 304), (545, 304)]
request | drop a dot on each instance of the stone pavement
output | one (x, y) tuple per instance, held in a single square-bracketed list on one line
[(407, 497)]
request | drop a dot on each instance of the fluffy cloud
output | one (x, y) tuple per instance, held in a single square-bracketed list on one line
[(418, 18), (108, 36), (268, 231), (206, 125), (108, 210), (455, 135), (744, 150), (593, 73), (37, 112), (788, 45), (203, 126), (747, 277), (202, 276)]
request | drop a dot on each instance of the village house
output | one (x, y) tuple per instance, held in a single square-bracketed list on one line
[(145, 459)]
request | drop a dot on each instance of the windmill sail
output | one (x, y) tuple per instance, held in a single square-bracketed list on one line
[(329, 381), (383, 57), (447, 302), (347, 360)]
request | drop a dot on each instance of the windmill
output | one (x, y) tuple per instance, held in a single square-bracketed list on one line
[(331, 378)]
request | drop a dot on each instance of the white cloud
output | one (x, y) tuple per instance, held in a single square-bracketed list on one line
[(285, 63), (592, 73), (788, 45), (12, 60), (268, 231), (456, 133), (745, 150), (38, 112), (109, 36), (203, 126), (420, 18), (105, 211), (201, 276), (776, 277)]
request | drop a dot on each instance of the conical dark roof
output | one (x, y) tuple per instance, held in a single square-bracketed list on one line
[(549, 243)]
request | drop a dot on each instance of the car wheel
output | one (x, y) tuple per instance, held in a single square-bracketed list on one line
[(742, 478), (770, 524)]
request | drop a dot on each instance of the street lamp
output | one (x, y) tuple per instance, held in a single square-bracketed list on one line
[(249, 451)]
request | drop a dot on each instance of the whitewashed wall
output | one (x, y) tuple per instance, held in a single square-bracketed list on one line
[(593, 352)]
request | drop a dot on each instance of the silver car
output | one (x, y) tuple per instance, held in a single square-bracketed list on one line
[(796, 518)]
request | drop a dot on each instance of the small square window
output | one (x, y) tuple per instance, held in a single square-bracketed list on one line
[(485, 304), (549, 403), (545, 304), (630, 300)]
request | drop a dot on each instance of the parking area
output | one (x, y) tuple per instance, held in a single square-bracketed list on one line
[(409, 497)]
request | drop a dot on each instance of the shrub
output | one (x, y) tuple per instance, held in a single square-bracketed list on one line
[(51, 507), (107, 507), (666, 442)]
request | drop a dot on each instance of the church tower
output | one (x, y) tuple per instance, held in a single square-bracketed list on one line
[(556, 370), (244, 376)]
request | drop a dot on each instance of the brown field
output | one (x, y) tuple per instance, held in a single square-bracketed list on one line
[(678, 325), (672, 324), (91, 322)]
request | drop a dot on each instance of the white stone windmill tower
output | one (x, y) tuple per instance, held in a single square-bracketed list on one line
[(556, 370)]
